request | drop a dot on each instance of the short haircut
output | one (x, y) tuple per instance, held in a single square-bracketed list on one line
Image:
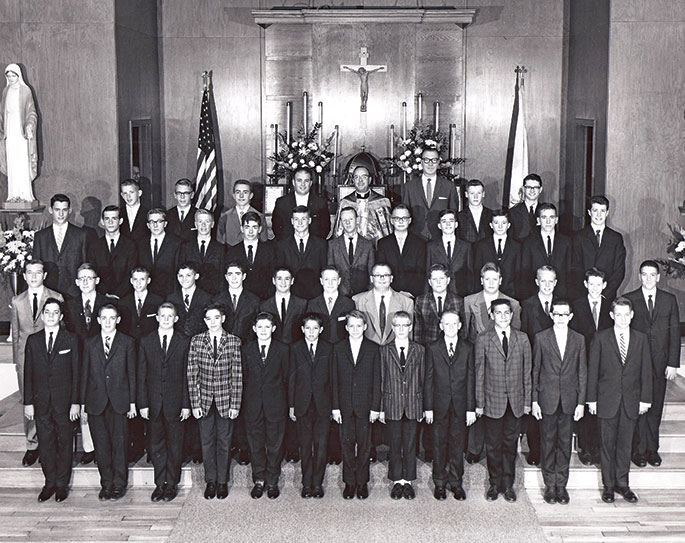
[(109, 208), (546, 207), (401, 315), (546, 268), (349, 208), (433, 149), (300, 209), (188, 265), (53, 300), (498, 302), (599, 199), (304, 169), (490, 266), (282, 268), (185, 182), (500, 213), (532, 177), (108, 305), (34, 262), (212, 306), (167, 305), (202, 211), (59, 197), (356, 314), (330, 268), (439, 268), (650, 264), (140, 269), (377, 264), (236, 264), (129, 183), (560, 301), (594, 272), (87, 266), (316, 317), (447, 211), (621, 301), (451, 312), (242, 182), (157, 211), (474, 183), (400, 207), (264, 316), (251, 216)]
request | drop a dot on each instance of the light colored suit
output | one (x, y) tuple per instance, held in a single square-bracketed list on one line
[(228, 228), (366, 303), (478, 320)]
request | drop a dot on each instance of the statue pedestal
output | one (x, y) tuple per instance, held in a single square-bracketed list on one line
[(36, 218), (21, 206)]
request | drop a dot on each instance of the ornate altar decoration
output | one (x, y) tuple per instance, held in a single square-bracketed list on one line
[(674, 265), (307, 150)]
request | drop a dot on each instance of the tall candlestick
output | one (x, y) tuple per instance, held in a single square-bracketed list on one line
[(437, 115), (404, 120), (305, 111), (275, 127), (321, 124), (289, 121), (335, 151), (419, 112), (451, 142), (392, 142)]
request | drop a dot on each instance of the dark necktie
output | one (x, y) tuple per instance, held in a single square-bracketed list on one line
[(595, 315), (186, 302), (403, 358), (87, 312), (282, 309), (549, 246), (531, 215), (450, 351), (439, 305), (111, 245), (505, 343), (164, 343), (547, 307), (301, 247), (216, 348), (108, 345), (350, 252), (203, 248), (650, 306), (263, 354), (139, 308), (429, 192), (50, 342), (35, 305), (183, 215), (250, 255), (381, 314), (598, 233), (449, 250), (234, 299), (499, 249), (155, 251), (311, 351)]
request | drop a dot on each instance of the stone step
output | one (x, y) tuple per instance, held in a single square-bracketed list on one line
[(672, 436), (673, 411)]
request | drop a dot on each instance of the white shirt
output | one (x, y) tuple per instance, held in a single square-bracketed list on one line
[(206, 239), (60, 229), (499, 333), (401, 239), (544, 299), (160, 240), (476, 212), (402, 344), (185, 212), (190, 292), (301, 200), (544, 236), (38, 291), (561, 335), (451, 341), (235, 292), (265, 344), (54, 330), (354, 241), (278, 296), (218, 339), (424, 182), (626, 337), (311, 345), (452, 239), (254, 243), (489, 298), (110, 237), (333, 297), (110, 336), (601, 231), (140, 296), (166, 333), (131, 212), (304, 239), (442, 295), (386, 300), (355, 346), (89, 298), (496, 241), (647, 293)]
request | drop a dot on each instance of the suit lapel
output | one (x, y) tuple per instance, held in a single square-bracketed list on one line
[(498, 344)]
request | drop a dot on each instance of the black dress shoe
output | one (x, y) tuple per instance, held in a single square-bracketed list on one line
[(440, 493), (87, 457), (157, 494), (46, 493), (348, 492), (458, 492), (61, 494), (653, 458), (533, 459), (585, 457), (118, 492), (30, 457), (257, 490), (472, 458), (397, 491), (408, 492), (607, 495), (317, 492), (628, 495), (373, 456), (104, 494), (272, 492), (550, 495), (639, 460), (210, 491), (562, 496), (170, 493), (306, 492), (363, 491), (492, 493), (243, 457), (221, 491), (510, 495)]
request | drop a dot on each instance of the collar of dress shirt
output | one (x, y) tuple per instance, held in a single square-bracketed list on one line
[(600, 228), (254, 244), (206, 239), (160, 239), (301, 200), (115, 237), (60, 227), (38, 291), (377, 298), (280, 297), (451, 341), (53, 329), (647, 293), (425, 178), (497, 238), (110, 336), (402, 343), (364, 196), (304, 238), (452, 239), (217, 336), (593, 300), (442, 295), (544, 235), (90, 297), (266, 344), (333, 296), (561, 333), (184, 210), (190, 292), (312, 343), (401, 237), (132, 211), (235, 292), (490, 297), (544, 299), (354, 240), (626, 335), (500, 330), (140, 296), (166, 333)]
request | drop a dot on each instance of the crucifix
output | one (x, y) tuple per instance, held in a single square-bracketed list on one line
[(363, 70)]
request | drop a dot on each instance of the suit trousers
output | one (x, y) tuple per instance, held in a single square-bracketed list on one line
[(215, 435), (424, 436), (355, 439), (555, 444), (587, 429), (265, 439), (312, 430), (334, 446), (646, 437), (239, 440), (616, 436), (501, 438), (29, 425), (55, 432), (192, 444), (402, 455), (476, 437), (532, 426), (291, 442), (449, 437), (136, 436), (166, 449), (110, 435)]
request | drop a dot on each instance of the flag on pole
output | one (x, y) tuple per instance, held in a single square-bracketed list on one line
[(517, 149), (206, 195)]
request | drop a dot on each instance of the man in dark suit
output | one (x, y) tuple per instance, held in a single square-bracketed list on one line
[(108, 398), (429, 307), (229, 227), (656, 315), (352, 255), (51, 397), (206, 254), (450, 404), (265, 404), (190, 301), (503, 395), (113, 256), (134, 214), (427, 195), (545, 246), (332, 305), (501, 249), (523, 215), (453, 253), (356, 400), (590, 315), (159, 254), (559, 386), (619, 388), (301, 196), (405, 253), (599, 246), (61, 247), (163, 399), (181, 217), (475, 217), (139, 308), (403, 374)]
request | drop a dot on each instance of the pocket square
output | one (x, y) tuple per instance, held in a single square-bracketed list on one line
[(342, 318), (442, 197), (65, 351), (151, 315)]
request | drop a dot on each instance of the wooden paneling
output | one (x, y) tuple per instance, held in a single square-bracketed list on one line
[(10, 11), (68, 11), (208, 18)]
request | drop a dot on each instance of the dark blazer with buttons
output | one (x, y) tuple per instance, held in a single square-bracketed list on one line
[(354, 277), (521, 222), (402, 391), (52, 380), (426, 215), (333, 328), (427, 319), (138, 326), (533, 317), (61, 265), (510, 263), (310, 379), (318, 211), (356, 388), (183, 230), (163, 270), (161, 377), (534, 255), (113, 268), (583, 323), (305, 267), (265, 387), (460, 266), (239, 321), (291, 330), (559, 378), (111, 378), (259, 275), (138, 231), (211, 266), (449, 380), (191, 321), (75, 319), (610, 257), (467, 230), (409, 266)]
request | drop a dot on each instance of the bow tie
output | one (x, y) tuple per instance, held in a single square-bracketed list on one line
[(363, 196)]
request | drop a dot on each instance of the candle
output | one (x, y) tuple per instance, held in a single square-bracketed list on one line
[(404, 120), (289, 121), (305, 111), (451, 142), (437, 116), (420, 107), (335, 150), (275, 126), (392, 142), (321, 124)]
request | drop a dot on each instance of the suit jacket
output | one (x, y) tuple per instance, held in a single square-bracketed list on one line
[(183, 230), (425, 215), (402, 391), (61, 265), (138, 231), (333, 329), (228, 228), (163, 269), (610, 257), (141, 325), (356, 387), (22, 323), (427, 319), (583, 323), (211, 266), (52, 380), (449, 380), (354, 276), (522, 224), (113, 268), (662, 327), (477, 318), (75, 319), (265, 386), (534, 255), (191, 321), (501, 379), (305, 267), (609, 381), (533, 317), (291, 330), (409, 266), (219, 380), (467, 230), (162, 377), (366, 303), (310, 379), (318, 210), (259, 274), (460, 266), (111, 378), (510, 263), (239, 321), (559, 378)]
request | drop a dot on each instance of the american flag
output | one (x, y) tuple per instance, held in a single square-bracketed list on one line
[(205, 180)]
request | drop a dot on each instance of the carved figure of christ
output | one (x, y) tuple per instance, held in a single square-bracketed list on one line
[(363, 70)]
